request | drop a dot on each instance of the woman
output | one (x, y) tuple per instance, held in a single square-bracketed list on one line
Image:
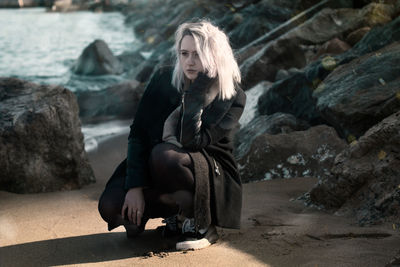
[(179, 164)]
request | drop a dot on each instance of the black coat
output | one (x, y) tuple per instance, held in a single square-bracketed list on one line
[(214, 140)]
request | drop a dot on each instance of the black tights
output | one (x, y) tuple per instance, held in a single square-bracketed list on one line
[(171, 187)]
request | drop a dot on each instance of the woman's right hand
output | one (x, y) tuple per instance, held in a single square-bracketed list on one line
[(134, 205)]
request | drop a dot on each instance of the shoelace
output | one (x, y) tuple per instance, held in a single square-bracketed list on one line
[(188, 226)]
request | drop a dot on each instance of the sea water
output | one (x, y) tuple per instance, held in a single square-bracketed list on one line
[(41, 47)]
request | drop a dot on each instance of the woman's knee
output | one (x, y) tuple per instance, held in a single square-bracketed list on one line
[(165, 158), (171, 168), (109, 208)]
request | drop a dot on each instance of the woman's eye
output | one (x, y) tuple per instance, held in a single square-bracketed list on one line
[(184, 53)]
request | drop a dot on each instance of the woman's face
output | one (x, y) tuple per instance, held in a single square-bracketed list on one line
[(189, 59)]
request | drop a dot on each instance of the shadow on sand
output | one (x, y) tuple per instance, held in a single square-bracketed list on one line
[(83, 249)]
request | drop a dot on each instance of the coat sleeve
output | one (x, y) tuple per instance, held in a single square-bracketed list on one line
[(196, 135), (138, 149)]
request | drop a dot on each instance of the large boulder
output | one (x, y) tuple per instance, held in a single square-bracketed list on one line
[(274, 124), (97, 59), (357, 95), (246, 24), (280, 54), (294, 94), (295, 154), (365, 179), (41, 143), (119, 101), (331, 23), (328, 24)]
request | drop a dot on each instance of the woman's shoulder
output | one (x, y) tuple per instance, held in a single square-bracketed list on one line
[(160, 81), (163, 73), (240, 96)]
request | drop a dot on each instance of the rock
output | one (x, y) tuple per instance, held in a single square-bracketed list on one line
[(274, 124), (116, 102), (355, 36), (288, 155), (265, 63), (294, 95), (332, 47), (132, 59), (284, 74), (97, 59), (255, 20), (41, 141), (365, 179), (69, 6), (395, 262), (357, 95), (300, 16), (331, 23), (362, 3), (25, 3), (285, 52)]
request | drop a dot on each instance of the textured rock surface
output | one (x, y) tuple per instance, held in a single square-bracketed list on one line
[(331, 23), (357, 95), (326, 25), (274, 124), (97, 59), (296, 154), (355, 36), (365, 179), (41, 144), (395, 262), (332, 47), (294, 95), (116, 102), (281, 54)]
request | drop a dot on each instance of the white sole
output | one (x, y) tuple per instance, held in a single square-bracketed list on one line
[(210, 238), (195, 244)]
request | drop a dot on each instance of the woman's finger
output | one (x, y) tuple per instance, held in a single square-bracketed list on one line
[(139, 217), (130, 211), (134, 216), (123, 211)]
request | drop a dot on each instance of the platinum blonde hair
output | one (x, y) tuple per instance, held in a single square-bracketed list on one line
[(215, 54)]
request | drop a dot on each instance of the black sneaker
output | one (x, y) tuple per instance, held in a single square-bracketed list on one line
[(196, 239), (172, 226)]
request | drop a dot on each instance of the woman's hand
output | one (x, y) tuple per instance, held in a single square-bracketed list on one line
[(134, 205), (202, 83)]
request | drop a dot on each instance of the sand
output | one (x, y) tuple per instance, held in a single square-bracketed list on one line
[(64, 228)]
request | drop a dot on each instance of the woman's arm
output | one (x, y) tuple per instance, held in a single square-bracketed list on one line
[(138, 151), (195, 135)]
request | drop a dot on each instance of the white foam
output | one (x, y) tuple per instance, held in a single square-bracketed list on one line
[(97, 133), (252, 95)]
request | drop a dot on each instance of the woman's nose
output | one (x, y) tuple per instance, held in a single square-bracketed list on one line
[(191, 60)]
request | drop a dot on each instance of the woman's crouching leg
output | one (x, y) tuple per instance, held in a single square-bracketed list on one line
[(172, 174), (113, 197)]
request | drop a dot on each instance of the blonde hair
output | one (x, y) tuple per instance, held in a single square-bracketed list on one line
[(215, 54)]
